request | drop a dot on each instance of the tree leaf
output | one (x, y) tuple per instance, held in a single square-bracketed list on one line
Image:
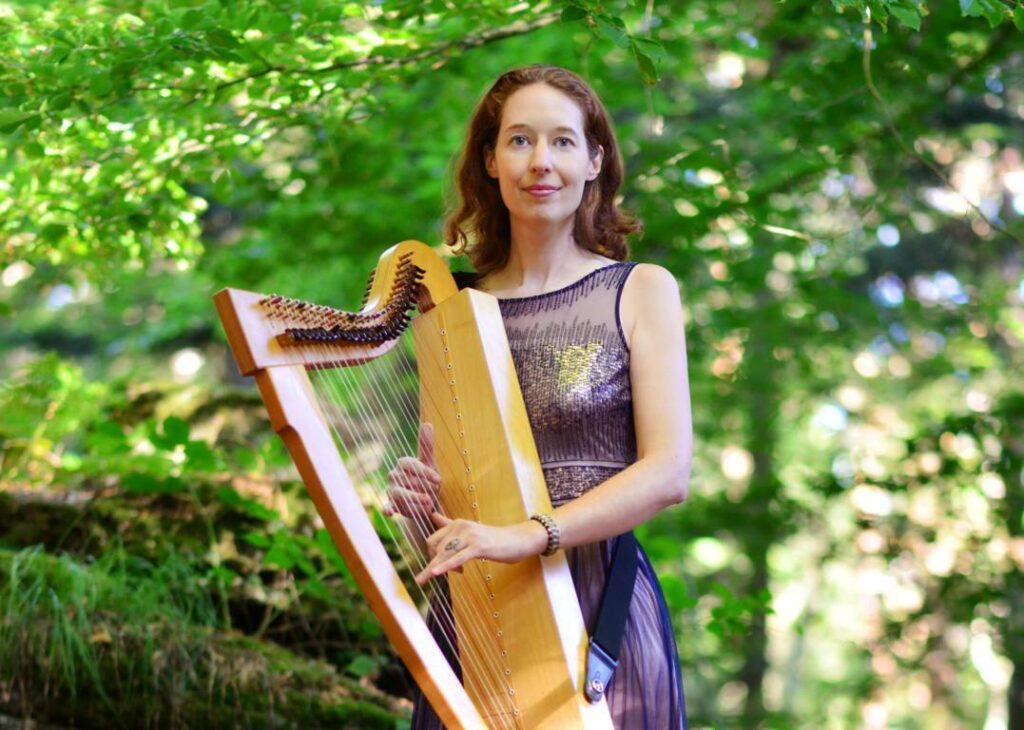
[(107, 439), (230, 497), (191, 19), (279, 23), (361, 666), (994, 13), (330, 552), (11, 119), (651, 47), (279, 557), (573, 13), (221, 38), (646, 66), (257, 539), (99, 84), (176, 431), (53, 232), (907, 16), (199, 457), (612, 30), (224, 574)]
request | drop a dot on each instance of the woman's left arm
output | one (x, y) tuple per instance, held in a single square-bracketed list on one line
[(652, 320)]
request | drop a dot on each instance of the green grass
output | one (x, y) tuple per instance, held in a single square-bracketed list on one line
[(122, 642), (105, 630)]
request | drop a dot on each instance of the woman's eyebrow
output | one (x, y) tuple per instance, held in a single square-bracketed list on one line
[(528, 128)]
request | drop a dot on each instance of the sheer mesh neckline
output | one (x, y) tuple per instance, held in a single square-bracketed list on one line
[(563, 289)]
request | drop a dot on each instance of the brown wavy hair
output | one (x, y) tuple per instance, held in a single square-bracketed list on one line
[(479, 225)]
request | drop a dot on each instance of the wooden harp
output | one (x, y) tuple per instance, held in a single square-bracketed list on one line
[(518, 630)]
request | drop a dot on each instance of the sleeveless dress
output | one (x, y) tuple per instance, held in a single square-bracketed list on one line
[(572, 361)]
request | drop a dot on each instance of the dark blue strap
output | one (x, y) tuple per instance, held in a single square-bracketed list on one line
[(603, 656)]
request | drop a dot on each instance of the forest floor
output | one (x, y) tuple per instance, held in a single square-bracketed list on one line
[(115, 615)]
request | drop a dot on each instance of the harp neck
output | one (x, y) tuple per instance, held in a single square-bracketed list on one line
[(407, 274)]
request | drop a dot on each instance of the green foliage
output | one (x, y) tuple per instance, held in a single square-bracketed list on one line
[(122, 127), (150, 458), (40, 408), (910, 13), (645, 51), (733, 617)]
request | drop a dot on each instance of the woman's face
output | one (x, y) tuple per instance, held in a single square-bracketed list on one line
[(540, 157)]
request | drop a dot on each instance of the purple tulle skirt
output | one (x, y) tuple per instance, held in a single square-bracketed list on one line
[(646, 691)]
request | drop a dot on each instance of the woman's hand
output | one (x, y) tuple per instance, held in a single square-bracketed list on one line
[(413, 483), (458, 541)]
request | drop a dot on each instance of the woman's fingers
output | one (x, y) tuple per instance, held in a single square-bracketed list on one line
[(440, 520), (436, 537), (458, 541), (453, 544), (440, 566), (427, 445), (413, 488), (450, 549), (446, 531), (416, 469), (411, 503), (414, 483)]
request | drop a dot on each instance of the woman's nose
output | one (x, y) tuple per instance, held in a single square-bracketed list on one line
[(540, 160)]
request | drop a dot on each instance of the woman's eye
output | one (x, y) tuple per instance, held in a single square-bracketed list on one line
[(564, 142), (519, 140)]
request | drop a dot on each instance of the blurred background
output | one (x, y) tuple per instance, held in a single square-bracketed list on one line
[(838, 187)]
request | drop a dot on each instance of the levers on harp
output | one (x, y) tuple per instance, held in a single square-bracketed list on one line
[(319, 324)]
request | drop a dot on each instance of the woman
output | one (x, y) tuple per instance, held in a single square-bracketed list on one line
[(600, 354)]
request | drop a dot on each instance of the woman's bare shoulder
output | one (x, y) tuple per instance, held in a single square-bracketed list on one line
[(647, 276), (650, 287), (650, 293)]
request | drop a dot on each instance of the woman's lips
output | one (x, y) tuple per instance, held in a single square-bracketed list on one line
[(541, 191)]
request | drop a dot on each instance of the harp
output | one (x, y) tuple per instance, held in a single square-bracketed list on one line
[(516, 628)]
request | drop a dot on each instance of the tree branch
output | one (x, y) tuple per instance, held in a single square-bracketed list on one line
[(1000, 37), (494, 35)]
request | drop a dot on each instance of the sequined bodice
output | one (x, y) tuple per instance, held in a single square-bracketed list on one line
[(573, 366)]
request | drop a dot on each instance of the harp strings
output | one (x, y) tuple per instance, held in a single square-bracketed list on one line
[(389, 419), (481, 621), (373, 426), (479, 653)]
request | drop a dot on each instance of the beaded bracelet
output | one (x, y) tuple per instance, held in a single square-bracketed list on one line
[(554, 534)]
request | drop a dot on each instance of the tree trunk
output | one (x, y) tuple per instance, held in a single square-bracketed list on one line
[(763, 399)]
